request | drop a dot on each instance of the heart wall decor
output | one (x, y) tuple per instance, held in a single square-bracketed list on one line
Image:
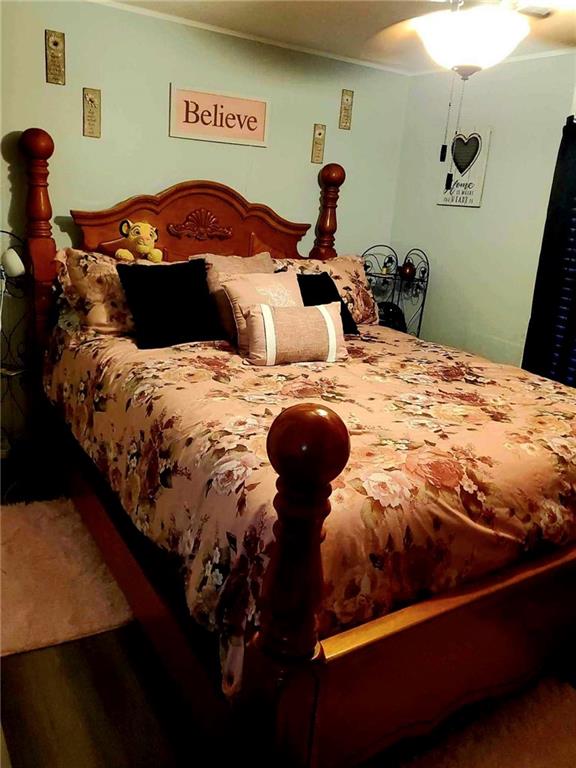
[(468, 157), (465, 151)]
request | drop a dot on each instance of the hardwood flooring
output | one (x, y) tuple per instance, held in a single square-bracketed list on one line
[(99, 702)]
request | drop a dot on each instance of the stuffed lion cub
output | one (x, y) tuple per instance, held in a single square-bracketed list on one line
[(139, 242)]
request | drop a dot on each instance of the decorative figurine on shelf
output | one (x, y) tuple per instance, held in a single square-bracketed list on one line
[(139, 242)]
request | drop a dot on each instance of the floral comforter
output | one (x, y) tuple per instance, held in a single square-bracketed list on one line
[(458, 466)]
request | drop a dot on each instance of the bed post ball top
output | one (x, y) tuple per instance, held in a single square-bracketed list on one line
[(332, 175), (308, 444), (36, 143)]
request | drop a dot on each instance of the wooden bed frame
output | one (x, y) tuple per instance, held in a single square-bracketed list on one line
[(341, 700)]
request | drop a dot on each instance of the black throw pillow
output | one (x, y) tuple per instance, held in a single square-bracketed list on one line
[(170, 303), (319, 288)]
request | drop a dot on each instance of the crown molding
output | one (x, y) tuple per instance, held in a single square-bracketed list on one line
[(245, 36)]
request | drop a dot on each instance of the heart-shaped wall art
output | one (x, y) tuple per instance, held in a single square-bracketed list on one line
[(465, 151)]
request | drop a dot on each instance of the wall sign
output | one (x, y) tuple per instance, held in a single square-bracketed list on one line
[(55, 54), (217, 117), (318, 141), (91, 113), (346, 102), (467, 159)]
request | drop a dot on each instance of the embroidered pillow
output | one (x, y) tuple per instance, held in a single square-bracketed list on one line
[(219, 266), (280, 335), (91, 285), (350, 278), (278, 290)]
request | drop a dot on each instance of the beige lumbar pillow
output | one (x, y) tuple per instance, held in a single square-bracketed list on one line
[(277, 290), (280, 335)]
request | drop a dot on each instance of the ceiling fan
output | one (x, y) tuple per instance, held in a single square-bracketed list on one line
[(469, 35)]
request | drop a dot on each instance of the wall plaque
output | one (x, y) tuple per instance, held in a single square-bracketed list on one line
[(346, 103), (318, 141), (91, 113), (217, 117), (55, 53), (466, 162)]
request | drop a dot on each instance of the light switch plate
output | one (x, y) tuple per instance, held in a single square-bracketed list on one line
[(346, 102), (318, 141), (91, 113), (55, 53)]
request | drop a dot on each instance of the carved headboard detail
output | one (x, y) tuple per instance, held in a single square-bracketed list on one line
[(200, 224)]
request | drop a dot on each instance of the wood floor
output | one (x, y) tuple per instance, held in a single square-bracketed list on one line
[(99, 702)]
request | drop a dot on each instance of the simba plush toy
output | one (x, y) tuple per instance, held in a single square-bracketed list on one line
[(139, 242)]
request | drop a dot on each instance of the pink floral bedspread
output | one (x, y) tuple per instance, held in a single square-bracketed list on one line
[(459, 466)]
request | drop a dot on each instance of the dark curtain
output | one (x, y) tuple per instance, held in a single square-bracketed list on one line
[(551, 340)]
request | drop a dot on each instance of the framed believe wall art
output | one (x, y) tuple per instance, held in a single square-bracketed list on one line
[(217, 117), (467, 160)]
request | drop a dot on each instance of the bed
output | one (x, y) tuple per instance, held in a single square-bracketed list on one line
[(420, 551)]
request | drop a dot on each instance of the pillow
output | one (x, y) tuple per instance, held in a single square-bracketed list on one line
[(350, 278), (279, 290), (232, 265), (321, 289), (91, 285), (279, 335), (170, 303)]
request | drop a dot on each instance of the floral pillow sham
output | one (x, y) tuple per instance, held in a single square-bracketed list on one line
[(350, 278), (91, 286)]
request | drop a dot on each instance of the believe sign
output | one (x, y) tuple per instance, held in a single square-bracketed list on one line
[(216, 117)]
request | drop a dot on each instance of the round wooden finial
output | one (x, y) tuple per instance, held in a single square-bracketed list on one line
[(332, 175), (308, 444), (37, 144)]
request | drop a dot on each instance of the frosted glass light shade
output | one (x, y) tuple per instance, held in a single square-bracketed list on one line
[(477, 38)]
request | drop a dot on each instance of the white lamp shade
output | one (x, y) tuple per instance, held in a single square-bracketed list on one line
[(12, 263), (478, 38)]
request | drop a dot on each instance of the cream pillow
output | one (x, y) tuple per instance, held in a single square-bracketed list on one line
[(277, 290), (219, 266), (280, 335)]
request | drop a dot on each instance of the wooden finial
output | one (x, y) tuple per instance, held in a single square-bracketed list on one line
[(308, 445), (330, 178)]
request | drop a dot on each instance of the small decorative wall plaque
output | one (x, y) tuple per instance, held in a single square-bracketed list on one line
[(346, 103), (91, 113), (464, 171), (55, 53), (318, 141), (217, 117)]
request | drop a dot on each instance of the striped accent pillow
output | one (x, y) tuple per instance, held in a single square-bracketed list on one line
[(280, 335)]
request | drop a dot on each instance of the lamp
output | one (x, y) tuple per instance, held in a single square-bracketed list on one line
[(467, 41), (12, 264)]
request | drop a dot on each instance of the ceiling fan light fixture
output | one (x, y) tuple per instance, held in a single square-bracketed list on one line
[(470, 40)]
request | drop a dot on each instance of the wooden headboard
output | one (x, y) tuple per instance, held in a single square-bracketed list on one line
[(191, 217)]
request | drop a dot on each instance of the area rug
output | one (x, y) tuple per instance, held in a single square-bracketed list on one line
[(55, 586), (536, 729)]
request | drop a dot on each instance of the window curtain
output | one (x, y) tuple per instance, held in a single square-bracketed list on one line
[(550, 348)]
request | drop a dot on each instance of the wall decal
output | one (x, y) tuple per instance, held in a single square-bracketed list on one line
[(318, 141), (217, 117), (200, 224), (346, 103), (91, 113), (468, 155), (55, 55)]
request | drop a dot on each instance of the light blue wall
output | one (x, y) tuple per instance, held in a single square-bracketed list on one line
[(133, 58), (484, 260)]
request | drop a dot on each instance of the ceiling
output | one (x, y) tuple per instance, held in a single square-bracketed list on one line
[(376, 31)]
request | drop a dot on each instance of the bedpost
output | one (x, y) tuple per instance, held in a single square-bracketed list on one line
[(37, 146), (308, 446), (330, 179)]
